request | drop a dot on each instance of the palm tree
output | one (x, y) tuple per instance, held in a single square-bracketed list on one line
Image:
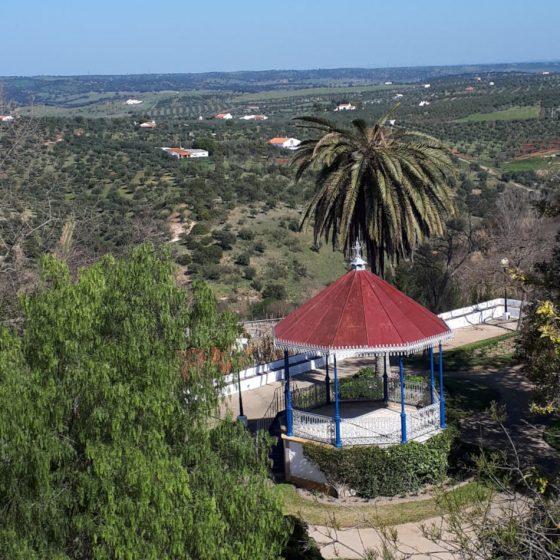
[(386, 186)]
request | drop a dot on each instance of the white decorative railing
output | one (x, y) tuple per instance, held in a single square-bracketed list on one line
[(313, 426), (370, 431), (423, 421), (416, 393)]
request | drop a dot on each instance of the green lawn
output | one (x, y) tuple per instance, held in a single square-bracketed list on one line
[(512, 114), (529, 164), (413, 511), (552, 435)]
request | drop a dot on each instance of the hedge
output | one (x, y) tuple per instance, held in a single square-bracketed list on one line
[(375, 471)]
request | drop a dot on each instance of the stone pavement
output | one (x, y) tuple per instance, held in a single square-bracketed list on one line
[(257, 401)]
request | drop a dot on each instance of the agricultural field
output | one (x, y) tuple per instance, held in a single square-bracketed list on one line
[(233, 219)]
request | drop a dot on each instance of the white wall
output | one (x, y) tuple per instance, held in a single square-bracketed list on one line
[(297, 466), (481, 313)]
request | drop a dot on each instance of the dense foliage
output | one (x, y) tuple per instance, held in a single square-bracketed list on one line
[(105, 446), (373, 471)]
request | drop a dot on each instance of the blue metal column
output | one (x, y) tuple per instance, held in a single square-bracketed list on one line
[(385, 381), (441, 395), (432, 396), (338, 439), (327, 379), (403, 414), (287, 394)]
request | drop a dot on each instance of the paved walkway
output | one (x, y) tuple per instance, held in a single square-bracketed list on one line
[(257, 401)]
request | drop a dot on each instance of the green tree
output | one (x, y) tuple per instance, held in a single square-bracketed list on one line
[(385, 185), (105, 445)]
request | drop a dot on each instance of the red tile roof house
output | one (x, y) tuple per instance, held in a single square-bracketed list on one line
[(284, 142), (223, 116)]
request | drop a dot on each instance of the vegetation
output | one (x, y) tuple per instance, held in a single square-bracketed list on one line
[(362, 515), (373, 471), (383, 185), (104, 406)]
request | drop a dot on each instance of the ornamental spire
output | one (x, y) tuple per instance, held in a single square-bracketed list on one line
[(357, 263)]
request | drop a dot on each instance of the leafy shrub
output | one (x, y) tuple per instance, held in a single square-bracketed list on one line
[(275, 292), (243, 259), (246, 234), (183, 259), (260, 247), (375, 471), (200, 229)]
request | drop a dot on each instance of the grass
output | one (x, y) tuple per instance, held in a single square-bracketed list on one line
[(466, 397), (511, 114), (529, 164), (490, 353), (314, 92), (378, 515), (552, 434)]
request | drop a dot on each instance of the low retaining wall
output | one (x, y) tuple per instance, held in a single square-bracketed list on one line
[(483, 312)]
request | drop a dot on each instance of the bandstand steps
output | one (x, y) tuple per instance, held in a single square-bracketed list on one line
[(277, 450)]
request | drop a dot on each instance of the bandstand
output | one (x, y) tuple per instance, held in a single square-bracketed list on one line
[(361, 315)]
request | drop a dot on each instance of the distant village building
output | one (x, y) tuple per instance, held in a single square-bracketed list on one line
[(6, 118), (423, 103), (388, 83), (469, 89), (546, 73), (224, 116), (149, 124), (285, 142), (392, 122), (182, 153), (427, 86), (491, 84), (345, 107), (134, 102), (253, 118), (398, 95)]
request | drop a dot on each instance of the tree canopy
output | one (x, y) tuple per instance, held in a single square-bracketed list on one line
[(106, 450), (384, 185)]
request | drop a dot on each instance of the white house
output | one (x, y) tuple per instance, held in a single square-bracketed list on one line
[(398, 96), (6, 118), (392, 122), (253, 118), (427, 86), (134, 101), (285, 142), (491, 83), (148, 124), (182, 153), (388, 83), (423, 103), (345, 107), (224, 116)]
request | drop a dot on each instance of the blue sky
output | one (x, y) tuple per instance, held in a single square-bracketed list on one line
[(126, 37)]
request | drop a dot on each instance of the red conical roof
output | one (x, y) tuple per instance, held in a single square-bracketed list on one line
[(361, 314)]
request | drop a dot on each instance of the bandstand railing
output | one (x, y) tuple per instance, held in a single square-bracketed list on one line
[(365, 430)]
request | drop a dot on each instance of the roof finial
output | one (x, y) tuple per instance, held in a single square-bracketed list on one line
[(357, 263)]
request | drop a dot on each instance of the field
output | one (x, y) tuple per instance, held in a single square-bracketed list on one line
[(512, 114), (89, 157)]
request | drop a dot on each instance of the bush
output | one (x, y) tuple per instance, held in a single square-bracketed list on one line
[(245, 234), (200, 229), (183, 260), (243, 259), (375, 471), (275, 292)]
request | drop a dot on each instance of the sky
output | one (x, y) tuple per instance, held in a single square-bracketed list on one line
[(68, 37)]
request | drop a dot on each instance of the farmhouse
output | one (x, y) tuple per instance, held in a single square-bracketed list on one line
[(253, 118), (284, 142), (133, 102), (149, 124), (182, 153), (345, 107), (224, 116)]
